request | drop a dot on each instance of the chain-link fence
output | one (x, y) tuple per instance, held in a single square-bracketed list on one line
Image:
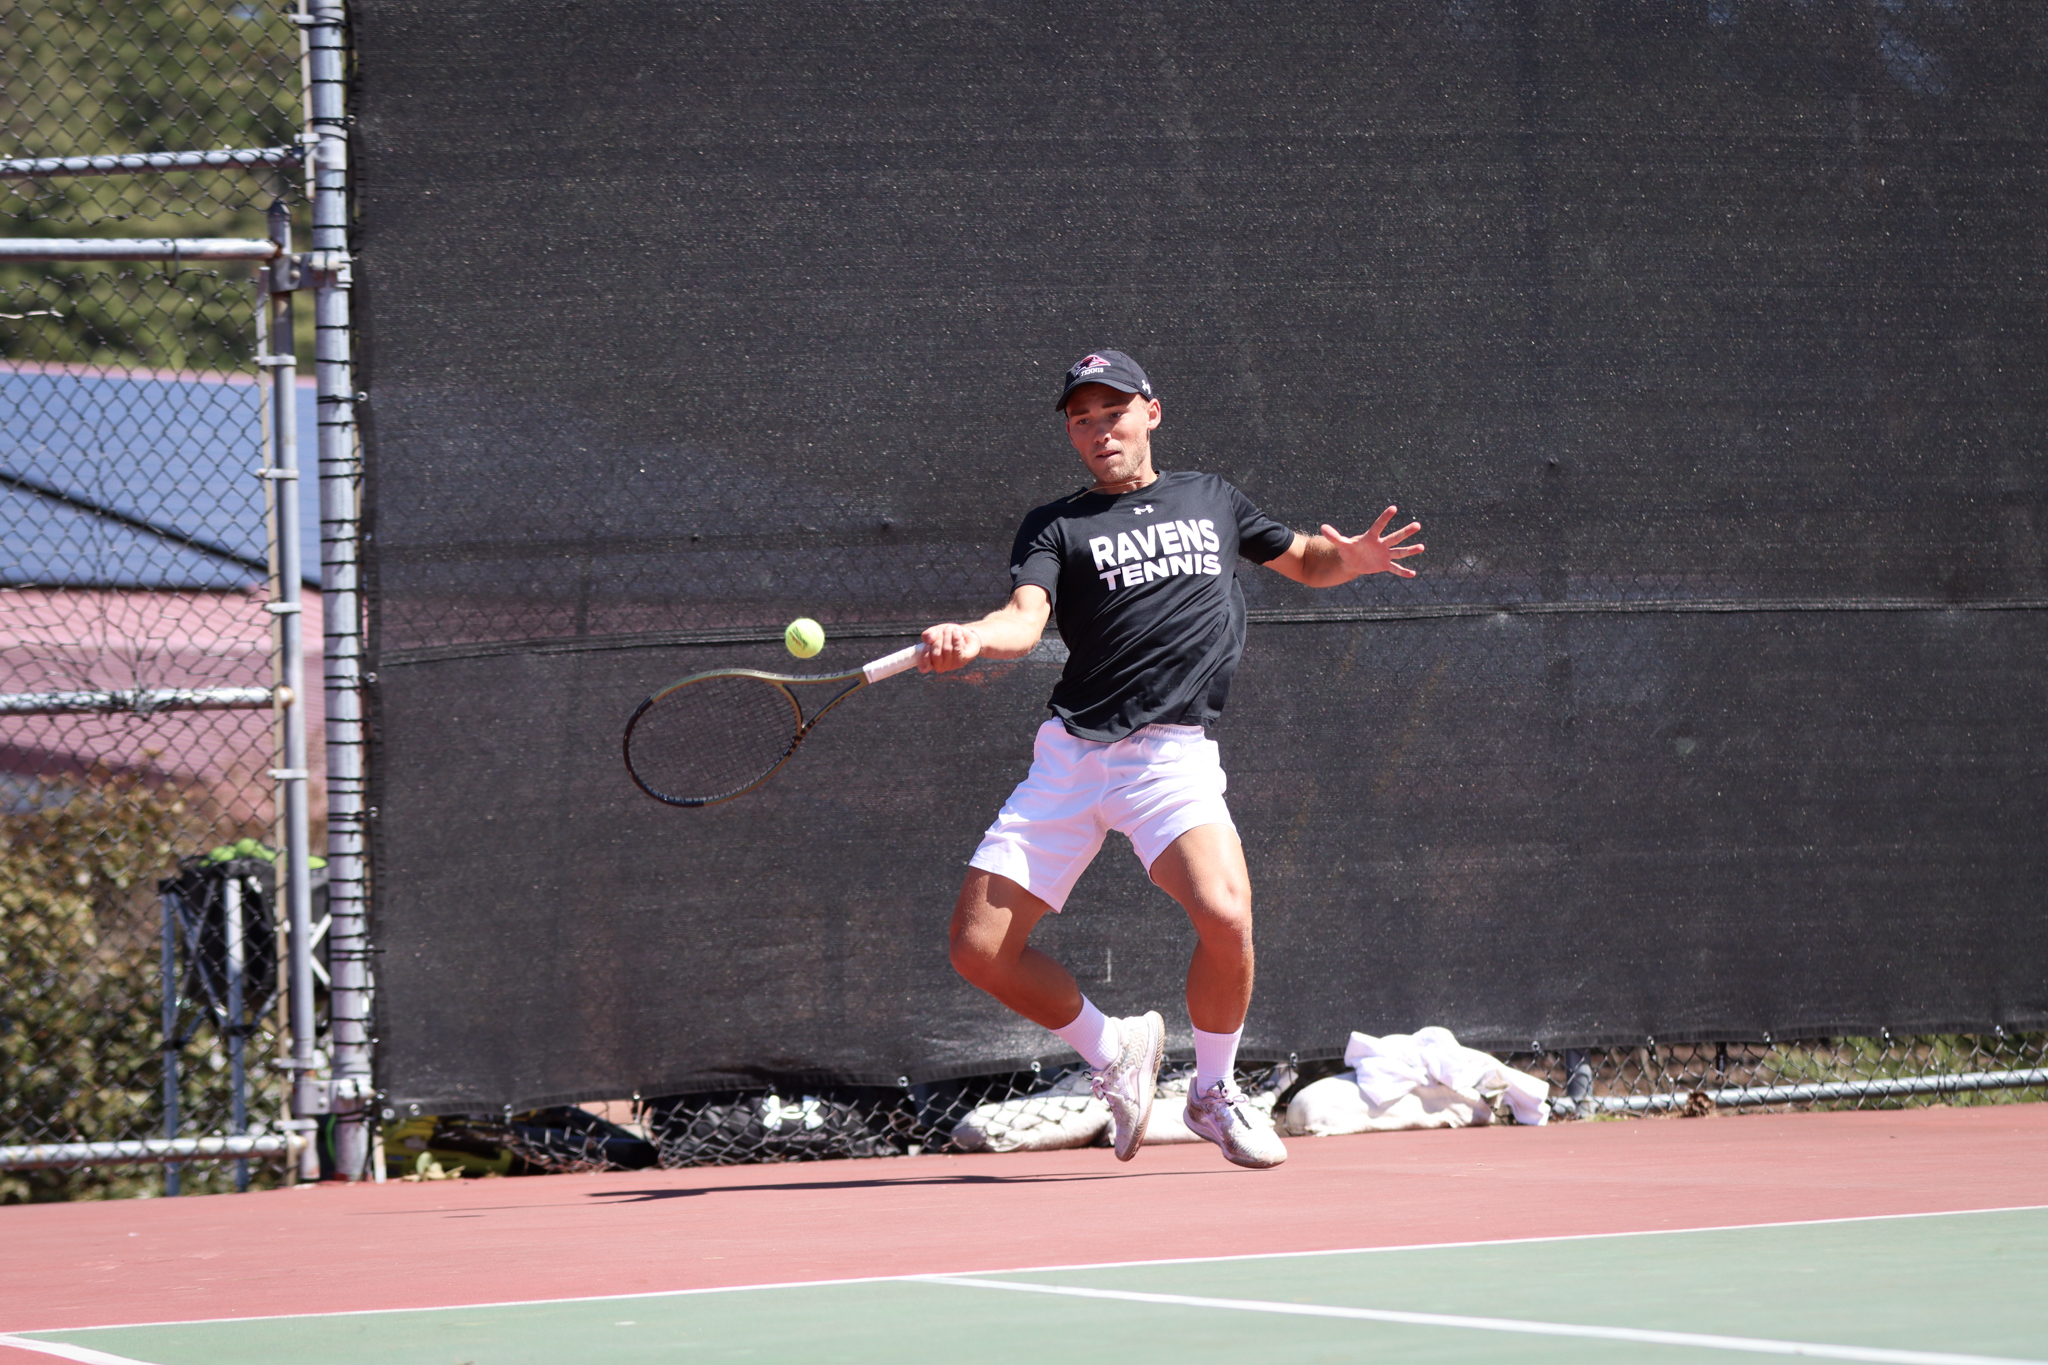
[(1884, 1072), (1040, 1108), (136, 651), (100, 78), (1049, 1107)]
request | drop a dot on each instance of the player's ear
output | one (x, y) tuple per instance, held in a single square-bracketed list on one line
[(1151, 414)]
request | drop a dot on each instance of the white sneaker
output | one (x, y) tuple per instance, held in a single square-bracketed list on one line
[(1127, 1084), (1226, 1117)]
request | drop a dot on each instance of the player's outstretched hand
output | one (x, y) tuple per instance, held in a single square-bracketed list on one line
[(1374, 551), (947, 647)]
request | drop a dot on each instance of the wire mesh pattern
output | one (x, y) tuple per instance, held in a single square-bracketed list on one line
[(554, 1140), (808, 1122), (102, 77), (136, 526), (136, 569), (148, 321), (81, 1038), (1882, 1072), (798, 1122)]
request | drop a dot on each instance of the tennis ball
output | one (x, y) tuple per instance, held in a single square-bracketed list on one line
[(804, 637)]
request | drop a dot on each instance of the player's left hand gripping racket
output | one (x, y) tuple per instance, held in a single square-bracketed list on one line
[(717, 735)]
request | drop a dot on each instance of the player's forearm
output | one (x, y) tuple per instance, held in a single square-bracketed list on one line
[(1007, 634)]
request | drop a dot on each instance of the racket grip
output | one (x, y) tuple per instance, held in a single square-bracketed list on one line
[(889, 665)]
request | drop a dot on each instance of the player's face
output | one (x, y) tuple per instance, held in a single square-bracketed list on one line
[(1112, 430)]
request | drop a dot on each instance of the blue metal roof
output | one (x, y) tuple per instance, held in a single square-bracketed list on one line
[(139, 481)]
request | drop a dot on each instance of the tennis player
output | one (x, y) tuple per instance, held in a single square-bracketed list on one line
[(1141, 568)]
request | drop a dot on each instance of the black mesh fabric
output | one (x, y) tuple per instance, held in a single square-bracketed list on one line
[(1706, 339)]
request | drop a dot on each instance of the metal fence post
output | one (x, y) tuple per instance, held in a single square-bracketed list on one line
[(172, 1043), (349, 998), (238, 1076), (279, 279)]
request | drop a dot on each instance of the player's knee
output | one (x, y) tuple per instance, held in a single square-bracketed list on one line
[(978, 961), (1223, 916)]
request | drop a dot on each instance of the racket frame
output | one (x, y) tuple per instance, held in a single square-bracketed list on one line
[(888, 666)]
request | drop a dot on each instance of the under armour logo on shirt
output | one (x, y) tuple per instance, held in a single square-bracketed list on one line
[(1141, 510)]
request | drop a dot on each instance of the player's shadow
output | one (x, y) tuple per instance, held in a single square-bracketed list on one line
[(646, 1196)]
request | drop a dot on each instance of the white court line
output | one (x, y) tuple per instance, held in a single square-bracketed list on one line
[(1051, 1269), (64, 1351), (1483, 1242), (1641, 1335)]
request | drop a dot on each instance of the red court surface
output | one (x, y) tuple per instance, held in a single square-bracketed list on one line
[(337, 1248)]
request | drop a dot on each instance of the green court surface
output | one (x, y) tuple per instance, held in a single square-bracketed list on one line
[(1949, 1287)]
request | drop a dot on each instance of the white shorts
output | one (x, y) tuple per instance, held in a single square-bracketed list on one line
[(1153, 785)]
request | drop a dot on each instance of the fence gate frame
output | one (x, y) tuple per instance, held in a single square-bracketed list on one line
[(345, 1091)]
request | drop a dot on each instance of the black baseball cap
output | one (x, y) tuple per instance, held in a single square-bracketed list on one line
[(1113, 368)]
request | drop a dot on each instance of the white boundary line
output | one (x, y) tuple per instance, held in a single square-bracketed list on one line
[(1479, 1242), (1050, 1269), (64, 1350), (1647, 1336)]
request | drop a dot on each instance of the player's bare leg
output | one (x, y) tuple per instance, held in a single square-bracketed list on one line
[(1204, 870), (990, 947)]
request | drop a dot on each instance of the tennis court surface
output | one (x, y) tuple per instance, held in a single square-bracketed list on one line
[(1914, 1236)]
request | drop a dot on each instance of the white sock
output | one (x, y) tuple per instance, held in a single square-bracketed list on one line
[(1093, 1034), (1215, 1058)]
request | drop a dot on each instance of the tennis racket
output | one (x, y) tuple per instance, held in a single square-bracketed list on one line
[(717, 735)]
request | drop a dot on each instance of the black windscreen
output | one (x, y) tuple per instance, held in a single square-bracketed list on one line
[(1705, 339)]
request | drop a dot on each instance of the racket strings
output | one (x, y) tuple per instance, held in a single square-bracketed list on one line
[(712, 738)]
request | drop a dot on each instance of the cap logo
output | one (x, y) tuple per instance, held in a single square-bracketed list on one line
[(1119, 371)]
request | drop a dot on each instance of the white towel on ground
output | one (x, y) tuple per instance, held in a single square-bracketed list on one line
[(1396, 1064), (1333, 1107)]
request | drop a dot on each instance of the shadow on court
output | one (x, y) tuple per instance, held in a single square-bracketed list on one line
[(642, 1196)]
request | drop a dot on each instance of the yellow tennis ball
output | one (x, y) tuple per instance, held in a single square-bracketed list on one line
[(804, 637)]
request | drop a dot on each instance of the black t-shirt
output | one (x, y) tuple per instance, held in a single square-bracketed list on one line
[(1144, 589)]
